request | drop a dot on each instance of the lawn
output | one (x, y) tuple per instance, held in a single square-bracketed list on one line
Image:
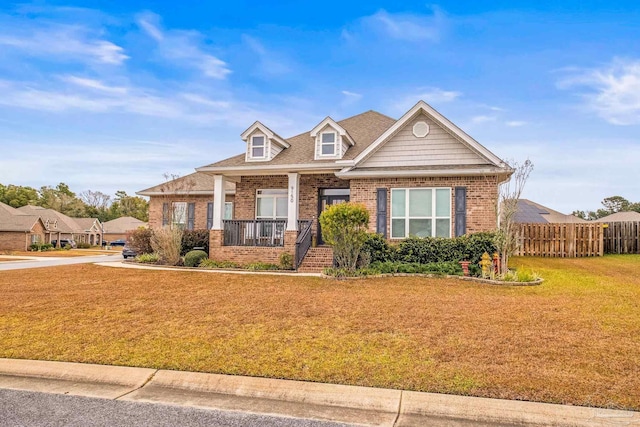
[(67, 253), (575, 339)]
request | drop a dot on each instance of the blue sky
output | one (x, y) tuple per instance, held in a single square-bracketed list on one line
[(109, 95)]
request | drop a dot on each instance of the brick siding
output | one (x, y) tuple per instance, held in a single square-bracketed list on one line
[(155, 208)]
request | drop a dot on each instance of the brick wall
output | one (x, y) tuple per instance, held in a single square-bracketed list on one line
[(482, 193), (155, 208), (247, 254), (14, 241)]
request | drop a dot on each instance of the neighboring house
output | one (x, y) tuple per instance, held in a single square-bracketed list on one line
[(419, 175), (117, 228), (19, 230), (531, 212), (620, 217), (63, 227), (187, 202)]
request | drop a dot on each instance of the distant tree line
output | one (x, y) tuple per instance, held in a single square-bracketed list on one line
[(610, 205), (88, 204)]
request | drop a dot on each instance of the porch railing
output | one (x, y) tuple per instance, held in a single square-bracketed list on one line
[(303, 242), (254, 232)]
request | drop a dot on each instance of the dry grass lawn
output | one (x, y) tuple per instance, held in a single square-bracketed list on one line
[(574, 339)]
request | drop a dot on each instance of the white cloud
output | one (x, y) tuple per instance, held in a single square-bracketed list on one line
[(613, 91), (405, 26), (483, 119), (61, 42), (182, 48), (515, 123)]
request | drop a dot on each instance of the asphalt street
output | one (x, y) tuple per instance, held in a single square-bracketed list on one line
[(52, 262), (31, 409)]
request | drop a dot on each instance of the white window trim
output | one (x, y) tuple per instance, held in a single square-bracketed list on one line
[(175, 223), (336, 138), (406, 217), (282, 194), (265, 147)]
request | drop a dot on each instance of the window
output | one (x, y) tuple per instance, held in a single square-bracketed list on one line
[(420, 212), (228, 210), (179, 217), (328, 144), (271, 204), (35, 238), (258, 147)]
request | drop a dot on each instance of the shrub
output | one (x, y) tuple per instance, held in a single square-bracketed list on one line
[(343, 227), (519, 276), (211, 263), (37, 247), (479, 243), (83, 245), (378, 248), (438, 249), (286, 261), (167, 243), (256, 266), (149, 258), (447, 268), (193, 258), (140, 240), (194, 239), (67, 247)]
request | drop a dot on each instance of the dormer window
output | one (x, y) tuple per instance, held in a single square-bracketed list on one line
[(258, 147), (328, 143)]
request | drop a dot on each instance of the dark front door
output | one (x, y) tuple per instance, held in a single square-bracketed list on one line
[(328, 197)]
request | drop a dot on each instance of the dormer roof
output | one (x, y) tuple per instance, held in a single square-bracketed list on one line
[(274, 137), (328, 121)]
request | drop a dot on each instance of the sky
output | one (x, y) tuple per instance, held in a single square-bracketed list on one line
[(114, 95)]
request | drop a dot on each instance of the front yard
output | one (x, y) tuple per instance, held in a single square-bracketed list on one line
[(574, 339)]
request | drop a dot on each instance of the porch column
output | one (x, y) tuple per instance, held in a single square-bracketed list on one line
[(219, 182), (293, 205)]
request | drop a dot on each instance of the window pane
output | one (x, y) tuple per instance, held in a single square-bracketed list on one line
[(265, 207), (257, 152), (328, 149), (420, 227), (272, 191), (443, 202), (228, 210), (258, 141), (180, 213), (420, 203), (443, 228), (397, 203), (397, 228), (281, 207), (328, 138)]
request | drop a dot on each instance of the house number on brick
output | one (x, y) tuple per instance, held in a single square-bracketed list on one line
[(291, 199)]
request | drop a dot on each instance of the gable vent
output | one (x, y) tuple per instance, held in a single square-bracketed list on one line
[(420, 129)]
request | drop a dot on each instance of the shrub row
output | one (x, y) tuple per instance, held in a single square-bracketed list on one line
[(140, 240), (415, 250)]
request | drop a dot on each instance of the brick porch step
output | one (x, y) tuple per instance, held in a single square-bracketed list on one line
[(317, 259)]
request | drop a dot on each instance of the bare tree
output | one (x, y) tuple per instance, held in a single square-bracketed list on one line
[(96, 199), (509, 194)]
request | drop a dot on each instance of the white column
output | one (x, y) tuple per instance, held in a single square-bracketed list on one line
[(293, 204), (218, 201)]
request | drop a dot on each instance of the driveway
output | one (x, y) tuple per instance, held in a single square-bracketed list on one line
[(34, 262)]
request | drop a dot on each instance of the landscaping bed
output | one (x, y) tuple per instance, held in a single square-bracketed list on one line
[(574, 339)]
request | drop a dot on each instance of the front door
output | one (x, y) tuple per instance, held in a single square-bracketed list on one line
[(328, 197)]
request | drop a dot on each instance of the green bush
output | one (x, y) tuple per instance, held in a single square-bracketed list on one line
[(286, 261), (258, 265), (477, 244), (193, 258), (67, 247), (447, 268), (140, 240), (439, 249), (83, 245), (38, 247), (149, 258), (211, 263), (195, 239), (378, 248), (344, 228)]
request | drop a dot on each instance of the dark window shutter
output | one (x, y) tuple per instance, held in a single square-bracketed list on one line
[(381, 212), (165, 214), (209, 215), (461, 211), (191, 216)]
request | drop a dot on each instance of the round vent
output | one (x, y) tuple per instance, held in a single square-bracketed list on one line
[(420, 129)]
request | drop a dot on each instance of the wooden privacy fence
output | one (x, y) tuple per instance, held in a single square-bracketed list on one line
[(622, 237), (561, 240)]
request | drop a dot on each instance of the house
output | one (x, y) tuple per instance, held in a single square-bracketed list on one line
[(531, 212), (19, 230), (63, 227), (187, 202), (419, 175), (118, 228), (620, 217)]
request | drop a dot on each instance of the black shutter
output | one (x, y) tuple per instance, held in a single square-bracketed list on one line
[(381, 212), (461, 211), (191, 216), (209, 215), (165, 214)]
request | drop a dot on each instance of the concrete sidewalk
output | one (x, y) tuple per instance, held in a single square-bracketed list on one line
[(327, 402)]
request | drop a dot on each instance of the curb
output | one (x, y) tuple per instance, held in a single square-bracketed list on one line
[(327, 402), (129, 264)]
